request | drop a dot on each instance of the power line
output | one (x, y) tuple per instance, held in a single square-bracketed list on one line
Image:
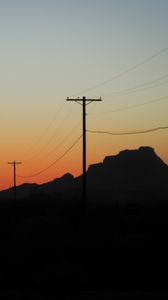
[(48, 127), (122, 73), (49, 140), (56, 147), (62, 141), (128, 132), (143, 86), (56, 161), (9, 186), (130, 107), (114, 77)]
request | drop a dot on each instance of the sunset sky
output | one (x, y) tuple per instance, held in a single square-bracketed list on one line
[(54, 49)]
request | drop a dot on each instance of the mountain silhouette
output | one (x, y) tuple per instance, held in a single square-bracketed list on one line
[(137, 169), (140, 168)]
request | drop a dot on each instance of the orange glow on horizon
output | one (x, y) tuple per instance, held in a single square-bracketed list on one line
[(72, 162)]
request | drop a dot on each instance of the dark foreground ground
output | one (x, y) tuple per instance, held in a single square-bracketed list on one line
[(116, 251)]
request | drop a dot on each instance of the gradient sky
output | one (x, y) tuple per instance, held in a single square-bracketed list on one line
[(54, 49)]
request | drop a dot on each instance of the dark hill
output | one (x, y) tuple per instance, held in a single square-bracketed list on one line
[(137, 170), (60, 185), (131, 169)]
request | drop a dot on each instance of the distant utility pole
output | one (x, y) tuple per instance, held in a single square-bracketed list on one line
[(14, 163), (84, 101)]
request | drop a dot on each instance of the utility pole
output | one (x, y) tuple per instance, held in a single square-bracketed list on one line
[(14, 163), (84, 101)]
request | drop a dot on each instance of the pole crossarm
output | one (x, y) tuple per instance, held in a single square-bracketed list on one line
[(83, 99), (14, 162)]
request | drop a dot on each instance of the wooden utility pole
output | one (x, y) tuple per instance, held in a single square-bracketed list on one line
[(84, 101), (14, 163)]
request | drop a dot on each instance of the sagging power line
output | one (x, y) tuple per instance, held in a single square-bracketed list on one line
[(52, 164), (128, 132), (56, 147), (62, 141)]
